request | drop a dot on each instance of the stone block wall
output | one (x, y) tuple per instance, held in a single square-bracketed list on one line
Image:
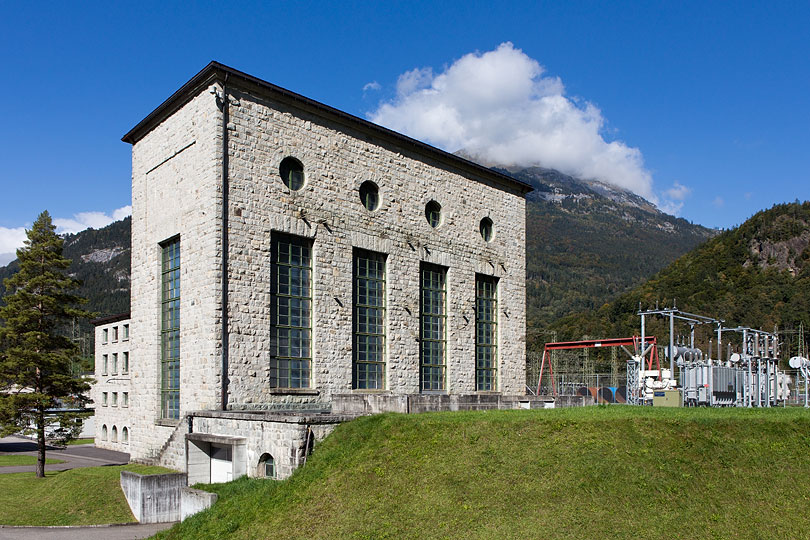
[(282, 436), (176, 192), (337, 159)]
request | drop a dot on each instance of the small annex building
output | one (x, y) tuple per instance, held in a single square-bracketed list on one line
[(112, 388), (294, 266)]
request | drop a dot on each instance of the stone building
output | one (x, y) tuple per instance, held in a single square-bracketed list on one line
[(294, 266), (111, 392)]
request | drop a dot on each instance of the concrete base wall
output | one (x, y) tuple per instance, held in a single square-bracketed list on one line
[(363, 404), (288, 438), (195, 500), (153, 498)]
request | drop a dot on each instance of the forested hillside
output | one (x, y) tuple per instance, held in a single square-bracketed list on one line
[(101, 261), (587, 242), (756, 275)]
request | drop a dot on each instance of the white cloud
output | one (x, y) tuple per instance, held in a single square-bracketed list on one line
[(84, 220), (373, 85), (501, 106), (12, 239), (678, 192), (121, 213)]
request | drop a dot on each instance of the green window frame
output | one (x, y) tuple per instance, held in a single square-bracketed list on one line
[(369, 320), (370, 195), (486, 333), (170, 330), (125, 363), (432, 327), (433, 213), (291, 311)]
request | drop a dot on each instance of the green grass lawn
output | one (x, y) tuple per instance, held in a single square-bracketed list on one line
[(13, 460), (88, 496), (81, 441), (596, 472)]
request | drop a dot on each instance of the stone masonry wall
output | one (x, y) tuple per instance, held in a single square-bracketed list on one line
[(175, 191), (284, 440), (337, 159)]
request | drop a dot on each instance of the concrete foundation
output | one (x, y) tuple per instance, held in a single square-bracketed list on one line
[(195, 500), (153, 498)]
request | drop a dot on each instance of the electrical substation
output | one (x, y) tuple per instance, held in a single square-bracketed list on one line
[(736, 367)]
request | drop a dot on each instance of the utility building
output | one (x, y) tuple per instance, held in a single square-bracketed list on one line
[(294, 266)]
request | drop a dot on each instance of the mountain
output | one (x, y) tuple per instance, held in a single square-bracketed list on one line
[(587, 242), (101, 261), (756, 275)]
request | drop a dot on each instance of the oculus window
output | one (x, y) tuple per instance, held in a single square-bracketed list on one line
[(486, 229), (433, 213), (292, 173), (370, 195)]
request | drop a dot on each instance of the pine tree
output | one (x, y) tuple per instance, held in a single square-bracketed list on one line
[(36, 354)]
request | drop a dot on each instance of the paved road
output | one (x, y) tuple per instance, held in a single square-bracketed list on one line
[(83, 455), (102, 532)]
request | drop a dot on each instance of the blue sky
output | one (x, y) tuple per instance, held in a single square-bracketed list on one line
[(701, 106)]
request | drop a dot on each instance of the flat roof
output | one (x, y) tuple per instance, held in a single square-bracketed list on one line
[(215, 71), (110, 319)]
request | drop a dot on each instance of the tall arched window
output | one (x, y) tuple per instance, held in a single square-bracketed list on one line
[(115, 434), (104, 432), (125, 435)]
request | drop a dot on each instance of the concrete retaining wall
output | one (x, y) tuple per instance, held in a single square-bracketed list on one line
[(195, 500), (153, 498)]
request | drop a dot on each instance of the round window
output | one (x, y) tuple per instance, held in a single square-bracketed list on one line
[(370, 195), (486, 229), (433, 213), (292, 173)]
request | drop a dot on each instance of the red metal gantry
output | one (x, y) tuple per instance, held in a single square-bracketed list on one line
[(635, 341)]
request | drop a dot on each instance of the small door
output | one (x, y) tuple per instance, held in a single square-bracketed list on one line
[(221, 463)]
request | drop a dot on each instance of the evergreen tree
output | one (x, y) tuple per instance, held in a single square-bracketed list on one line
[(36, 355)]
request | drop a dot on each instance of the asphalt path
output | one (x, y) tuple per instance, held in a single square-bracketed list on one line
[(101, 532), (75, 456)]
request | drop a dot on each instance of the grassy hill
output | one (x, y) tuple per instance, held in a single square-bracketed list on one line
[(756, 275), (597, 472)]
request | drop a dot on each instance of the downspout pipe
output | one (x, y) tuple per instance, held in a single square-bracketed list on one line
[(224, 244)]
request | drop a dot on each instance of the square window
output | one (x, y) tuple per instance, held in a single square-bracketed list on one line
[(126, 332)]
